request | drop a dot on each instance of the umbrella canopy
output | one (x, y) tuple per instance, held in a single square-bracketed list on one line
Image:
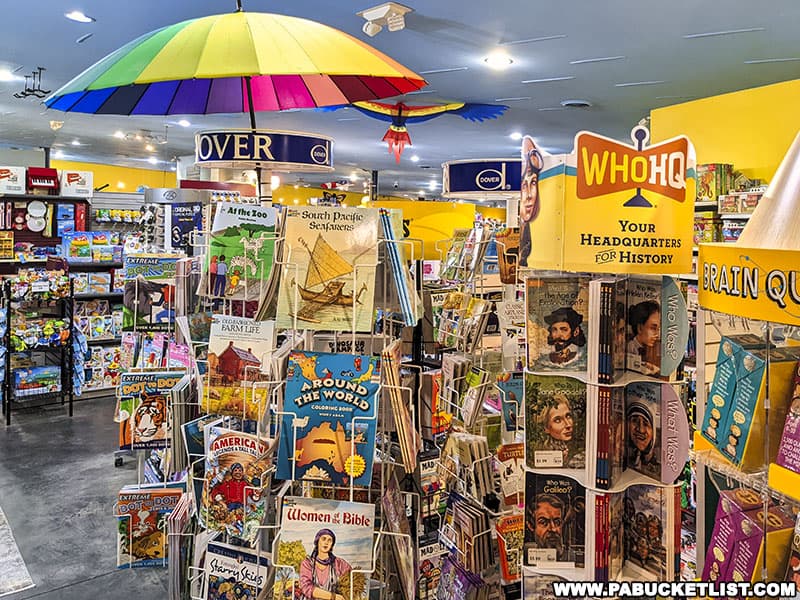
[(202, 66)]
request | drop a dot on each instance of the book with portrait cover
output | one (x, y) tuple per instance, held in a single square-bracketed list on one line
[(555, 422), (643, 422), (328, 278), (238, 265), (325, 548), (329, 422), (148, 301), (239, 358), (234, 572), (649, 517), (557, 317), (233, 499), (555, 522)]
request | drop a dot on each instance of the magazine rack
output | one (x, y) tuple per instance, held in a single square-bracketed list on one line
[(51, 296)]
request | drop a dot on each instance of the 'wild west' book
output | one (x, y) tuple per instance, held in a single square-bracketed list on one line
[(329, 422), (328, 278), (324, 549)]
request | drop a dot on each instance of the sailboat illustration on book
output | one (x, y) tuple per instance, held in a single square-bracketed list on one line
[(324, 285)]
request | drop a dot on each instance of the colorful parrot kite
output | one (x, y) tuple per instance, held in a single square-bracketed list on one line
[(399, 114)]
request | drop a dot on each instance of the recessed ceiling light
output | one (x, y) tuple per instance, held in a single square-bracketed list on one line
[(516, 136), (433, 185), (450, 70), (634, 83), (83, 38), (548, 79), (119, 135), (76, 143), (415, 158), (584, 61), (498, 60), (575, 103), (353, 177), (7, 75), (761, 61), (149, 147), (512, 99), (544, 38), (152, 160), (691, 36), (58, 154), (421, 193), (79, 17), (184, 123), (121, 185)]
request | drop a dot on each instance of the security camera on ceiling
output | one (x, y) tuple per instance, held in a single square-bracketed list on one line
[(389, 14)]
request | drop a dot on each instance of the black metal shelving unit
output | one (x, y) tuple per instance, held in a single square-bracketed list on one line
[(61, 355)]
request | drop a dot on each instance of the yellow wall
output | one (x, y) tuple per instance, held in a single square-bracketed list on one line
[(751, 129), (130, 178)]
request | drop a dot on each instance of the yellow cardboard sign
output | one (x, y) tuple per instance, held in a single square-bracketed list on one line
[(431, 222), (758, 283), (612, 207)]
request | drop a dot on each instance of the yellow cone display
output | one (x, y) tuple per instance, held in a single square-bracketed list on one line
[(776, 220)]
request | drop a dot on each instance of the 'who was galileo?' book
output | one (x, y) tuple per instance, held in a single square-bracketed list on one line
[(329, 421)]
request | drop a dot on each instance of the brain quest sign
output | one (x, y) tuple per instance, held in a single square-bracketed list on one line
[(621, 208)]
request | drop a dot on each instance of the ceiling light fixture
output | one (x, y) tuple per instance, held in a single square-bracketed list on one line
[(545, 38), (58, 155), (585, 61), (184, 123), (415, 158), (512, 99), (83, 38), (7, 75), (447, 70), (433, 185), (692, 36), (761, 61), (635, 83), (119, 135), (516, 136), (152, 160), (498, 60), (549, 79), (79, 17), (76, 143), (576, 103), (150, 147), (390, 15), (548, 108)]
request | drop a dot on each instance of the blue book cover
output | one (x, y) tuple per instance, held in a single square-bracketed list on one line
[(512, 388), (328, 427)]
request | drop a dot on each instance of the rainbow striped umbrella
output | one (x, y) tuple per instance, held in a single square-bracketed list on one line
[(235, 62)]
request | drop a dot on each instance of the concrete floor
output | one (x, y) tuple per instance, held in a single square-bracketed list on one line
[(58, 485)]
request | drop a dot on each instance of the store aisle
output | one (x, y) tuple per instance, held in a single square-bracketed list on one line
[(58, 485)]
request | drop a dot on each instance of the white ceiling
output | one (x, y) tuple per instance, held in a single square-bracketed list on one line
[(545, 39)]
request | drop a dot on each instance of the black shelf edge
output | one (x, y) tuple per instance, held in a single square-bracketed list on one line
[(77, 266), (43, 197), (101, 295), (99, 341)]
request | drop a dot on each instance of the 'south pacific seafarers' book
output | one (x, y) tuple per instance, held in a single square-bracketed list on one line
[(328, 279), (329, 419)]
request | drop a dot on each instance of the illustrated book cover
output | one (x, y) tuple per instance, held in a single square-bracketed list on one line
[(328, 278), (148, 302), (239, 357), (557, 316), (329, 422), (555, 418), (241, 251), (555, 522), (325, 549), (233, 501), (143, 410), (234, 572), (142, 513)]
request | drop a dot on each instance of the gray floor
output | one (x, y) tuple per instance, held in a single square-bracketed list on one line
[(58, 485)]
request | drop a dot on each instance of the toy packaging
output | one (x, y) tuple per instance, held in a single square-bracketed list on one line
[(99, 283), (32, 381)]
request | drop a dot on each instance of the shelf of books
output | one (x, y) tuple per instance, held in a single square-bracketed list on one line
[(747, 439)]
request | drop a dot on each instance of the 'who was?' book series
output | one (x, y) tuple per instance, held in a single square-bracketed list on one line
[(329, 421), (328, 280)]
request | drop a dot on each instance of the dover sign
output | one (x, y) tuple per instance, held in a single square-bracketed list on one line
[(274, 150), (481, 178)]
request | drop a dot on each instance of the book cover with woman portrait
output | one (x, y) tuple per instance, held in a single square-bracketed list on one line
[(555, 417), (324, 550)]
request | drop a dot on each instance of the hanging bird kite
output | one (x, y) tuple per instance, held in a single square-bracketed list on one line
[(399, 114)]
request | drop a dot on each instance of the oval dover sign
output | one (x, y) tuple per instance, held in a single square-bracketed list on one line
[(273, 150), (481, 178)]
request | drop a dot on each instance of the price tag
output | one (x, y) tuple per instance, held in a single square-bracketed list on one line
[(548, 458)]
